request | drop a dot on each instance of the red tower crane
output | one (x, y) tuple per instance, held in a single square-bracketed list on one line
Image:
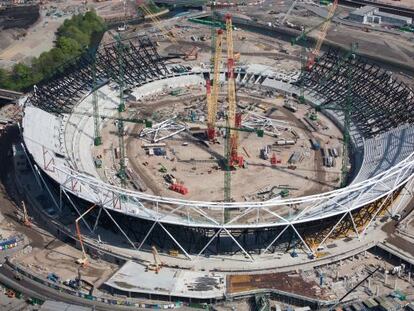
[(233, 119), (212, 94), (321, 37)]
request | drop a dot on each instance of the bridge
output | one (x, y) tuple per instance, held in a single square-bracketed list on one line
[(10, 95), (388, 8)]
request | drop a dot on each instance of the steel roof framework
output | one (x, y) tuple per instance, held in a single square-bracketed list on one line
[(343, 203)]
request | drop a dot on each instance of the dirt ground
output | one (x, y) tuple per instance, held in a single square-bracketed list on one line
[(58, 257), (18, 45), (199, 165)]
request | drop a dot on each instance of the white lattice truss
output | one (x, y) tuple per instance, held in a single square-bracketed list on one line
[(162, 130), (314, 207), (282, 213), (270, 126)]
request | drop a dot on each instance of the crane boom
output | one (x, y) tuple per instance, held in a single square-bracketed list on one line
[(235, 160), (157, 260), (169, 34), (322, 35), (147, 122), (212, 105), (84, 260), (157, 22), (210, 128), (26, 219), (97, 135), (121, 109), (289, 11)]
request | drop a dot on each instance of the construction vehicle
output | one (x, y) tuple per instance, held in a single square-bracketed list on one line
[(234, 119), (168, 33), (162, 169), (289, 11), (174, 252), (25, 219), (10, 293), (34, 301), (274, 160), (84, 260), (284, 193), (179, 188), (157, 265), (193, 54), (321, 38), (146, 122), (237, 56), (313, 116), (17, 276), (53, 277), (309, 59)]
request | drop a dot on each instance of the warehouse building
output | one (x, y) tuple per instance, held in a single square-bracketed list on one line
[(372, 15)]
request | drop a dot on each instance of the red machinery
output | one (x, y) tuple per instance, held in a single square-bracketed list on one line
[(179, 188)]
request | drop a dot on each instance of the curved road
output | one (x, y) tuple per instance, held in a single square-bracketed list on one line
[(37, 290)]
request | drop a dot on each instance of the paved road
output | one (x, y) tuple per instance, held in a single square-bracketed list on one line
[(36, 290), (33, 289)]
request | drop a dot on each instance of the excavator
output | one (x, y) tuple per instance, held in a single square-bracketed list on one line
[(84, 260), (25, 219), (157, 265)]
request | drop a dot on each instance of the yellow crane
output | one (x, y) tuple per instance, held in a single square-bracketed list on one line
[(157, 22), (25, 219), (233, 119), (84, 260), (156, 266), (321, 37), (168, 33), (212, 98)]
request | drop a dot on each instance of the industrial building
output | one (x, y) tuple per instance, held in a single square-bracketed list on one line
[(372, 15)]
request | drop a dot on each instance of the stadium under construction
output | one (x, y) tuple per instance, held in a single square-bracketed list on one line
[(237, 167)]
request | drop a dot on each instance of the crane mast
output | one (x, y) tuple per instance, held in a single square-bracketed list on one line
[(322, 34), (234, 121), (97, 140), (121, 108), (84, 260), (212, 103), (209, 108)]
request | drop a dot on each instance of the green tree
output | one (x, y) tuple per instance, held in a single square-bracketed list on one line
[(73, 37), (68, 46), (5, 81), (21, 76)]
